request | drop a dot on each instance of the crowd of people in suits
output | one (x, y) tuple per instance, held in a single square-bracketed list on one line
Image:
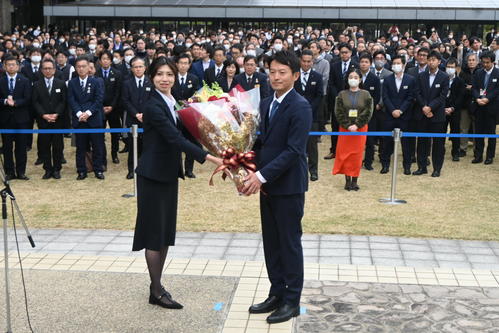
[(417, 82)]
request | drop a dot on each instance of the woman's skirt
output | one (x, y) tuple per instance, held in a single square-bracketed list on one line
[(156, 214), (349, 153)]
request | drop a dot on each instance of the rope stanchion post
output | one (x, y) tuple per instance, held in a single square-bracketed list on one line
[(135, 136), (396, 142)]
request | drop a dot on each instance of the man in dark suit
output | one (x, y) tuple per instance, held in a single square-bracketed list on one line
[(309, 85), (371, 83), (485, 92), (49, 102), (215, 72), (135, 93), (282, 163), (453, 105), (336, 84), (199, 67), (112, 91), (250, 78), (15, 99), (433, 87), (85, 97), (184, 88), (398, 90)]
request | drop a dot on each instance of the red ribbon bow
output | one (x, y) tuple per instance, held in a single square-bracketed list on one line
[(233, 160)]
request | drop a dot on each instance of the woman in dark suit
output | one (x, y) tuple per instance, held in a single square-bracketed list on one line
[(230, 70), (157, 183)]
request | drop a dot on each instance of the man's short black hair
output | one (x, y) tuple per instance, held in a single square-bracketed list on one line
[(424, 49), (398, 56), (379, 52), (107, 53), (248, 58), (286, 58), (219, 48), (452, 61), (435, 54), (366, 55), (238, 46), (342, 45), (182, 56), (276, 38), (81, 58), (488, 54), (307, 53), (63, 52)]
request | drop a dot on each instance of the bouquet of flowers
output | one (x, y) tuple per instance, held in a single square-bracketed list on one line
[(226, 124)]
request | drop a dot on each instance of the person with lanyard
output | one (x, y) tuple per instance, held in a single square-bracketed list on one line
[(453, 105), (353, 109), (485, 93)]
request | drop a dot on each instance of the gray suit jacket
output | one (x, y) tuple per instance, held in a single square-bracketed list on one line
[(383, 75)]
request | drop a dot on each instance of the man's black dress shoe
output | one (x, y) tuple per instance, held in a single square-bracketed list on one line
[(9, 177), (99, 175), (420, 172), (116, 160), (38, 161), (165, 301), (368, 167), (455, 158), (435, 173), (22, 177), (56, 175), (129, 175), (47, 175), (477, 160), (384, 169), (313, 178), (488, 161), (81, 176), (269, 305), (330, 156), (407, 171), (190, 174), (283, 313)]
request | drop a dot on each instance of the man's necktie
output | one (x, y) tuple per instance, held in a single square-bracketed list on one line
[(378, 74), (182, 82), (49, 86), (218, 72), (11, 86), (140, 84), (273, 109), (304, 80), (249, 80), (344, 69), (487, 78), (36, 69), (82, 85), (106, 74)]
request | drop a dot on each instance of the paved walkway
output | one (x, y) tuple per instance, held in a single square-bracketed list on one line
[(322, 249), (353, 283)]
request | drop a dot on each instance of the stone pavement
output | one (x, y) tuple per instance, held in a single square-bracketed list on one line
[(322, 249), (353, 283)]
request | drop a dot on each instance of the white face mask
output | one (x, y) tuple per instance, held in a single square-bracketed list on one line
[(116, 61), (379, 63), (36, 45), (290, 40), (278, 47), (72, 51), (227, 47), (397, 68), (62, 40), (188, 45), (451, 71), (251, 53), (354, 83), (128, 58), (92, 47), (36, 59)]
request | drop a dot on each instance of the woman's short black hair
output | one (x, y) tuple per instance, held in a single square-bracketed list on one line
[(288, 59), (229, 62), (352, 70), (160, 62)]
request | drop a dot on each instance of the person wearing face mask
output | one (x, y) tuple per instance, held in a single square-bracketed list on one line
[(119, 64), (453, 105), (353, 109), (277, 45), (398, 91), (129, 55), (433, 87)]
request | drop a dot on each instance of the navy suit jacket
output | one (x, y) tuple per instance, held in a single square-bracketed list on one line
[(163, 144), (22, 97), (433, 96), (281, 145), (257, 79), (336, 81), (399, 100), (373, 86), (187, 90), (313, 92), (492, 91), (91, 98), (455, 96), (197, 69), (134, 100)]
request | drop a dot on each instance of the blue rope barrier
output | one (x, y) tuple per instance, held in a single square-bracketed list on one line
[(140, 130)]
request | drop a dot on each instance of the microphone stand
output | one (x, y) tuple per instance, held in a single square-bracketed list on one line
[(5, 193)]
